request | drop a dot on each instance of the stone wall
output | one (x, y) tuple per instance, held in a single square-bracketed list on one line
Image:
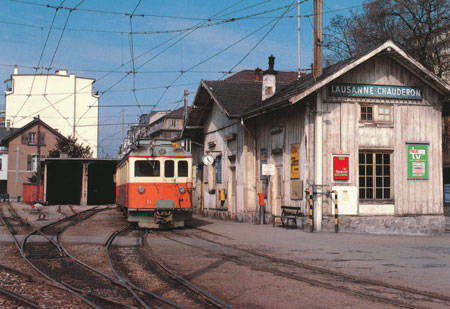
[(447, 210), (408, 225)]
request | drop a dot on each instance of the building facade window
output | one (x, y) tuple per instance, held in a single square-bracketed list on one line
[(375, 175), (32, 163), (32, 139), (384, 113), (379, 113), (219, 169), (366, 113)]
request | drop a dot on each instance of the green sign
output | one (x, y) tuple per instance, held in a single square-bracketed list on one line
[(417, 161)]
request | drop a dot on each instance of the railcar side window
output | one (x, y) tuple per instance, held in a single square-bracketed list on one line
[(169, 168), (145, 168), (182, 169)]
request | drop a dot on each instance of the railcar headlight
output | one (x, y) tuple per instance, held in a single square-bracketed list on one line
[(182, 189), (141, 189)]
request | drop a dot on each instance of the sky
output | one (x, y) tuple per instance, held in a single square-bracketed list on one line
[(144, 54)]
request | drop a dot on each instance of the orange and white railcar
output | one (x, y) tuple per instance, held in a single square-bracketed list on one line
[(154, 185)]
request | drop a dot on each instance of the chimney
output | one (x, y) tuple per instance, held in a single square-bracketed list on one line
[(8, 125), (269, 83), (61, 72), (258, 74), (16, 69)]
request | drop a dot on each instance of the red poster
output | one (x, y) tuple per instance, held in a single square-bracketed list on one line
[(340, 168)]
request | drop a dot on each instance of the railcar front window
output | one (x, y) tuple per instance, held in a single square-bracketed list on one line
[(182, 169), (145, 168), (169, 168)]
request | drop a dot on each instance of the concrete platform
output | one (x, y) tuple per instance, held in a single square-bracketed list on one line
[(417, 261)]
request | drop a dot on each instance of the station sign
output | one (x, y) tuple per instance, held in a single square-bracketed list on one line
[(376, 91), (341, 167)]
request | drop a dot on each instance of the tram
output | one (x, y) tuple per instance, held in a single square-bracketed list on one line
[(154, 184)]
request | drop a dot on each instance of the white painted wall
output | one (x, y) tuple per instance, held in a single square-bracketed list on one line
[(62, 101)]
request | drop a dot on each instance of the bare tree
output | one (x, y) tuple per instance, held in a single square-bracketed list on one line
[(420, 27)]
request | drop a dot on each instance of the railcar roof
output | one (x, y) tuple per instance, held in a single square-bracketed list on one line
[(158, 148)]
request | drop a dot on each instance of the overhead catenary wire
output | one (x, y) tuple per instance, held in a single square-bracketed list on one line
[(222, 11), (166, 86), (60, 7), (133, 67), (264, 36), (218, 53), (59, 42), (135, 71), (210, 24), (38, 64)]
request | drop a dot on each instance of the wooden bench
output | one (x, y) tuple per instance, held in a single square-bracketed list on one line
[(289, 216)]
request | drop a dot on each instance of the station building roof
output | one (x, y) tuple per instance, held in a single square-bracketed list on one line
[(307, 85)]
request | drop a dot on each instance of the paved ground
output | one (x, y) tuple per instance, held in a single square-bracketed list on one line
[(417, 261)]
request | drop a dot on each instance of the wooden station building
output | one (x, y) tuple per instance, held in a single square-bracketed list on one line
[(368, 128)]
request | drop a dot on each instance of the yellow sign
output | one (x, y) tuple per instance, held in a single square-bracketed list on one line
[(295, 173)]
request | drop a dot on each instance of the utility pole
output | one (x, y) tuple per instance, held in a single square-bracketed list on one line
[(318, 123), (317, 39), (75, 106), (186, 93), (38, 163), (298, 37)]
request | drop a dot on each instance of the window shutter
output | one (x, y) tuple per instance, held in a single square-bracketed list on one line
[(42, 139), (28, 162), (24, 138)]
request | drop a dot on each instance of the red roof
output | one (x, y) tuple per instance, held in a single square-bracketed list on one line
[(283, 77)]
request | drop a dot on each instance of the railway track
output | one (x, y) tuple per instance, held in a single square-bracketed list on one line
[(22, 288), (129, 262), (373, 290), (46, 256)]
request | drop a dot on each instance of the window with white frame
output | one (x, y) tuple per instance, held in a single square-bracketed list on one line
[(32, 163), (384, 113), (375, 113), (32, 139)]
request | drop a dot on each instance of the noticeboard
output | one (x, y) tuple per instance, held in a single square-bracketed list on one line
[(341, 167), (268, 169), (295, 173), (417, 161), (262, 160)]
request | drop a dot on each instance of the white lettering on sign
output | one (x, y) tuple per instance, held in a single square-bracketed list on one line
[(401, 92), (416, 153)]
